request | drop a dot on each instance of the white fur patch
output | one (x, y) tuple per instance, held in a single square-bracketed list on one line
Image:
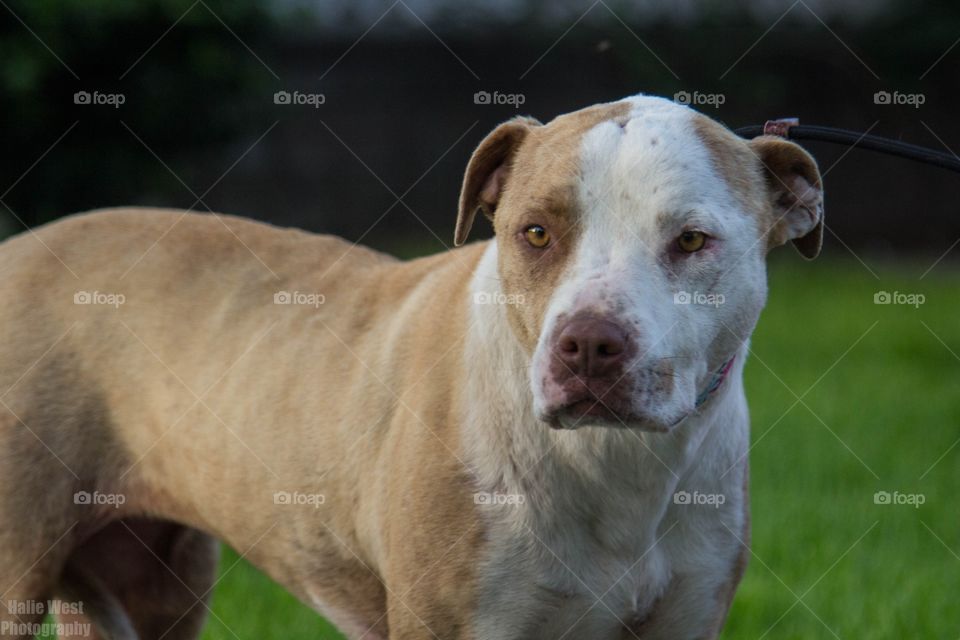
[(641, 185), (590, 536)]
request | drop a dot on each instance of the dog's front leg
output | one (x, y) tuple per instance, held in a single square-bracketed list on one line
[(431, 575), (429, 609), (429, 583), (689, 609)]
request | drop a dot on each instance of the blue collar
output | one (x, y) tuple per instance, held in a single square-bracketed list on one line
[(718, 377)]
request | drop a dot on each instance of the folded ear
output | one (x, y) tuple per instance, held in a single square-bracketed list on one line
[(795, 192), (488, 172)]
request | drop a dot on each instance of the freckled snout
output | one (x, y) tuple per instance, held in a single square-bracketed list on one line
[(591, 347)]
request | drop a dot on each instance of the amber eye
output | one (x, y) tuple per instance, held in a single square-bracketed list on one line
[(537, 236), (691, 241)]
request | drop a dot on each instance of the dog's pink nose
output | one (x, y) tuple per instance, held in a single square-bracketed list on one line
[(591, 346)]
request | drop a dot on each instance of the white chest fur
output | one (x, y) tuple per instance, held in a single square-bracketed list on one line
[(585, 538)]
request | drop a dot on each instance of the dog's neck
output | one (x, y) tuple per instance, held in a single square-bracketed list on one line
[(511, 452)]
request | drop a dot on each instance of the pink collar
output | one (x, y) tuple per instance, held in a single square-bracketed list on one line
[(718, 377)]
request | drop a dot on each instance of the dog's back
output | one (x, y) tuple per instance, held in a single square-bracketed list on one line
[(140, 336)]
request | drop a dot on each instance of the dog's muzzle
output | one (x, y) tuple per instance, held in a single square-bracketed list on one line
[(588, 379)]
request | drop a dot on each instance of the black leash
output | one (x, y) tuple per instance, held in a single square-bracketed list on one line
[(791, 129)]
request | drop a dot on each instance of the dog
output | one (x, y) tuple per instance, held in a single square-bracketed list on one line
[(543, 435)]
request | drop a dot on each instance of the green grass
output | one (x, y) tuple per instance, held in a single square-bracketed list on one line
[(880, 406), (248, 605), (878, 420)]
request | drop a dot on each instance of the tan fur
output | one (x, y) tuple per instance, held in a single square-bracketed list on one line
[(374, 410), (540, 190), (795, 190), (735, 162), (762, 172)]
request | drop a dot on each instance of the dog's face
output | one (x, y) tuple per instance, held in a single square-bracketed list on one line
[(633, 236)]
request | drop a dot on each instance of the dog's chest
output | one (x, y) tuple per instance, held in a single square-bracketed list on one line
[(591, 573)]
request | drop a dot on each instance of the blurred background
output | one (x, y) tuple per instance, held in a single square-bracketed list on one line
[(387, 100), (357, 117)]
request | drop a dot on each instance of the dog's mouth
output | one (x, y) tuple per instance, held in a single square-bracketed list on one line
[(589, 410), (630, 395), (585, 410)]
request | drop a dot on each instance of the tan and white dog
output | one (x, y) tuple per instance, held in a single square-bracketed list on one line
[(540, 436)]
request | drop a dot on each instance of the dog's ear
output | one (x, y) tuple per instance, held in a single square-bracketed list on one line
[(488, 171), (795, 192)]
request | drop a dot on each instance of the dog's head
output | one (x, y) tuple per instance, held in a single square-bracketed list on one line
[(634, 234)]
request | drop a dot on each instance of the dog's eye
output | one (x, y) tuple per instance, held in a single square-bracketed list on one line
[(537, 236), (691, 241)]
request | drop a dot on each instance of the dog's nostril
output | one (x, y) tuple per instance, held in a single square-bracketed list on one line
[(609, 349), (569, 345)]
